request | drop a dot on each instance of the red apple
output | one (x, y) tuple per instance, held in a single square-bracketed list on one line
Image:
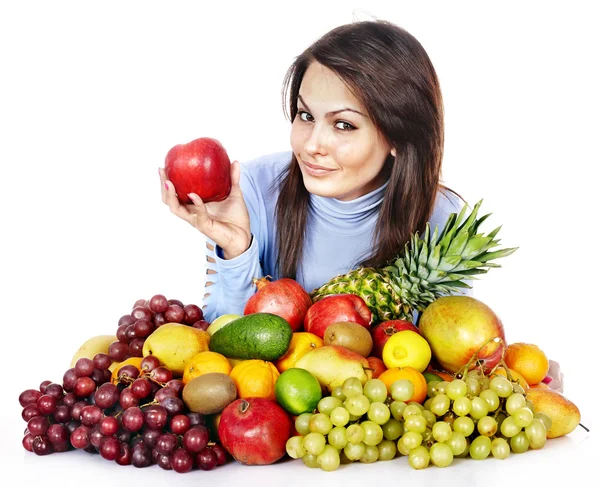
[(336, 308), (255, 430), (201, 166), (384, 330), (457, 328)]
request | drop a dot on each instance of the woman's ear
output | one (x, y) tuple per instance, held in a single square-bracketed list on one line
[(393, 152)]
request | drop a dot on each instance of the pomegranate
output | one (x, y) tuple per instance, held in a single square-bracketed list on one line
[(282, 297), (457, 328), (255, 430)]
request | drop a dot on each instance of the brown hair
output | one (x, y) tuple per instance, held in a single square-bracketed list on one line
[(388, 70)]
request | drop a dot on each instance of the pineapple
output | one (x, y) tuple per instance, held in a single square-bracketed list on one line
[(430, 267)]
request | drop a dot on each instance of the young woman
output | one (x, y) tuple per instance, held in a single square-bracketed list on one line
[(362, 176)]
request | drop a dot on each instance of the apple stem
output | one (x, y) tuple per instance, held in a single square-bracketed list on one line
[(244, 405), (585, 428)]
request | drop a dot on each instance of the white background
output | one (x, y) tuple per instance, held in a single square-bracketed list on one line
[(94, 94)]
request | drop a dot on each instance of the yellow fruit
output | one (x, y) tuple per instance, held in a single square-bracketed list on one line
[(406, 349), (255, 378), (528, 360), (298, 391), (204, 363), (301, 343), (416, 377), (515, 376), (173, 344), (220, 322), (564, 414), (115, 366), (93, 346)]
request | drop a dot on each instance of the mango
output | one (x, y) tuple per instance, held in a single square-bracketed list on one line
[(565, 415)]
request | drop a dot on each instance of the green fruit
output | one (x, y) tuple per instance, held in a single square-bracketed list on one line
[(262, 336), (430, 377), (220, 322), (297, 391)]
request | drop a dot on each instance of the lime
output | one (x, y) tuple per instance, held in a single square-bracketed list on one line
[(430, 377), (297, 391)]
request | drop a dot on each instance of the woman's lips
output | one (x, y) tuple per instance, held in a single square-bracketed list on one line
[(316, 170)]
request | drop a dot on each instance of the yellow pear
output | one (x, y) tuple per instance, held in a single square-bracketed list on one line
[(564, 414), (173, 344), (332, 365), (93, 346)]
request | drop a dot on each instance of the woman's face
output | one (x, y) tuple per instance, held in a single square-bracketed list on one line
[(340, 151)]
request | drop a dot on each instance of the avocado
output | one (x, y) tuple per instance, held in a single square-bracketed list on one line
[(262, 336), (209, 393)]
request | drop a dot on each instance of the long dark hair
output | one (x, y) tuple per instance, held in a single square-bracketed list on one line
[(390, 73)]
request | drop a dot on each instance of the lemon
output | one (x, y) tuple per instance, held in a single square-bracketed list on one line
[(406, 349), (297, 391)]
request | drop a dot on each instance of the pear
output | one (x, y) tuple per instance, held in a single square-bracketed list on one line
[(332, 365), (173, 344), (564, 414), (93, 346)]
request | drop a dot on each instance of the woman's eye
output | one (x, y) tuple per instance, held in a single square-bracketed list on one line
[(345, 126), (305, 116)]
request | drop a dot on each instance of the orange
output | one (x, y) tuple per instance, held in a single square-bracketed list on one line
[(203, 363), (442, 374), (541, 385), (301, 343), (135, 361), (515, 376), (255, 378), (528, 360), (377, 365), (418, 380)]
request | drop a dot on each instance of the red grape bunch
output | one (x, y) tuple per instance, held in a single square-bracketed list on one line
[(137, 419), (145, 317)]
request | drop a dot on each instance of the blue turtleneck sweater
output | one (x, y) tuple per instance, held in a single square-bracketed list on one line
[(339, 235)]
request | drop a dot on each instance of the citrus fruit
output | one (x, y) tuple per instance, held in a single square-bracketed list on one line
[(297, 391), (377, 365), (203, 363), (515, 376), (528, 360), (135, 361), (418, 380), (406, 349), (255, 378), (300, 343)]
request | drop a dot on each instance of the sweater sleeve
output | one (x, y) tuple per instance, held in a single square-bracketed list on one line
[(228, 283)]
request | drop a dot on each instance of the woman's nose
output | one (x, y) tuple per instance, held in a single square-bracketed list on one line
[(317, 142)]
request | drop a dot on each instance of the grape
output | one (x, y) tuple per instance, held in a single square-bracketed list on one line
[(166, 443), (473, 386), (46, 404), (509, 427), (379, 413), (464, 425), (126, 320), (109, 426), (41, 445), (62, 414), (480, 448), (76, 410), (43, 386), (418, 458), (141, 387), (149, 363), (355, 434), (110, 448), (411, 440), (514, 402), (173, 405), (179, 423), (339, 416), (96, 436), (38, 425), (161, 375), (357, 404), (457, 443), (442, 387), (440, 404), (80, 437), (29, 396), (501, 386), (165, 392), (392, 430), (302, 423), (416, 423), (28, 442), (544, 418), (522, 416), (150, 437), (102, 361), (159, 319), (387, 450), (143, 328), (487, 426), (313, 443), (220, 452), (141, 456), (124, 457), (136, 347), (174, 314), (354, 451), (500, 448), (536, 434), (91, 415), (122, 335), (329, 459), (310, 460), (141, 313), (432, 389), (429, 417), (376, 391), (201, 324), (370, 455), (54, 390), (410, 409), (207, 459), (127, 399), (397, 409), (294, 447), (479, 408), (132, 419), (118, 351), (461, 406), (441, 431), (196, 438), (327, 404), (457, 388), (69, 378), (158, 303), (441, 455), (192, 313), (130, 333), (491, 398), (337, 437), (320, 423), (338, 393), (519, 443), (352, 387)]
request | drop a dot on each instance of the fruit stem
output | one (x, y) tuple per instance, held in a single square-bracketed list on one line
[(261, 282), (467, 367), (584, 427), (244, 406)]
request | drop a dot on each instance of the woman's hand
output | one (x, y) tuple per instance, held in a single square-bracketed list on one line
[(225, 222)]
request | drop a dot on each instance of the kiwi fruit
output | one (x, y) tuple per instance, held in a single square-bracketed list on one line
[(350, 335), (209, 393)]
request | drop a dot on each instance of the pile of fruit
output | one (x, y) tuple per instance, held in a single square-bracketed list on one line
[(332, 377)]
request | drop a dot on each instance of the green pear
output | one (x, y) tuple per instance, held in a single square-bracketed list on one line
[(332, 365)]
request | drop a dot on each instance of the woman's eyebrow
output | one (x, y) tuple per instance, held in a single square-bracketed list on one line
[(335, 112)]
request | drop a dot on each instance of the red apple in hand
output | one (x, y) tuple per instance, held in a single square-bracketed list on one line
[(201, 166), (336, 308), (384, 330)]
